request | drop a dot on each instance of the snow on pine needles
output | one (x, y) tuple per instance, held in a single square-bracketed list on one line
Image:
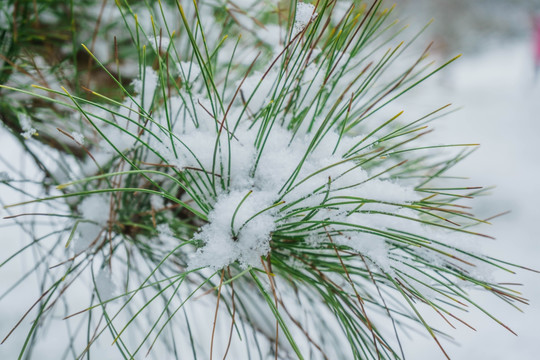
[(265, 166)]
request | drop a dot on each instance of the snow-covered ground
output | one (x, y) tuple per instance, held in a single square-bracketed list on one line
[(501, 107)]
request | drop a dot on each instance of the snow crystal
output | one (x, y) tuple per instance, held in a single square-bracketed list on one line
[(304, 14), (26, 125)]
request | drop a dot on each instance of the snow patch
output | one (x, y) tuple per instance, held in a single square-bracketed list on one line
[(188, 70), (145, 87), (105, 285), (95, 210)]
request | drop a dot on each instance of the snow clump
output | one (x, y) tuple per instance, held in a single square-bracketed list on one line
[(26, 125), (256, 203), (304, 14)]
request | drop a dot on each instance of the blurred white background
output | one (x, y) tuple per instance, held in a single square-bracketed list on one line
[(498, 91), (500, 110)]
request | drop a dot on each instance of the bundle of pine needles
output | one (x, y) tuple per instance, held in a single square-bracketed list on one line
[(229, 180)]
